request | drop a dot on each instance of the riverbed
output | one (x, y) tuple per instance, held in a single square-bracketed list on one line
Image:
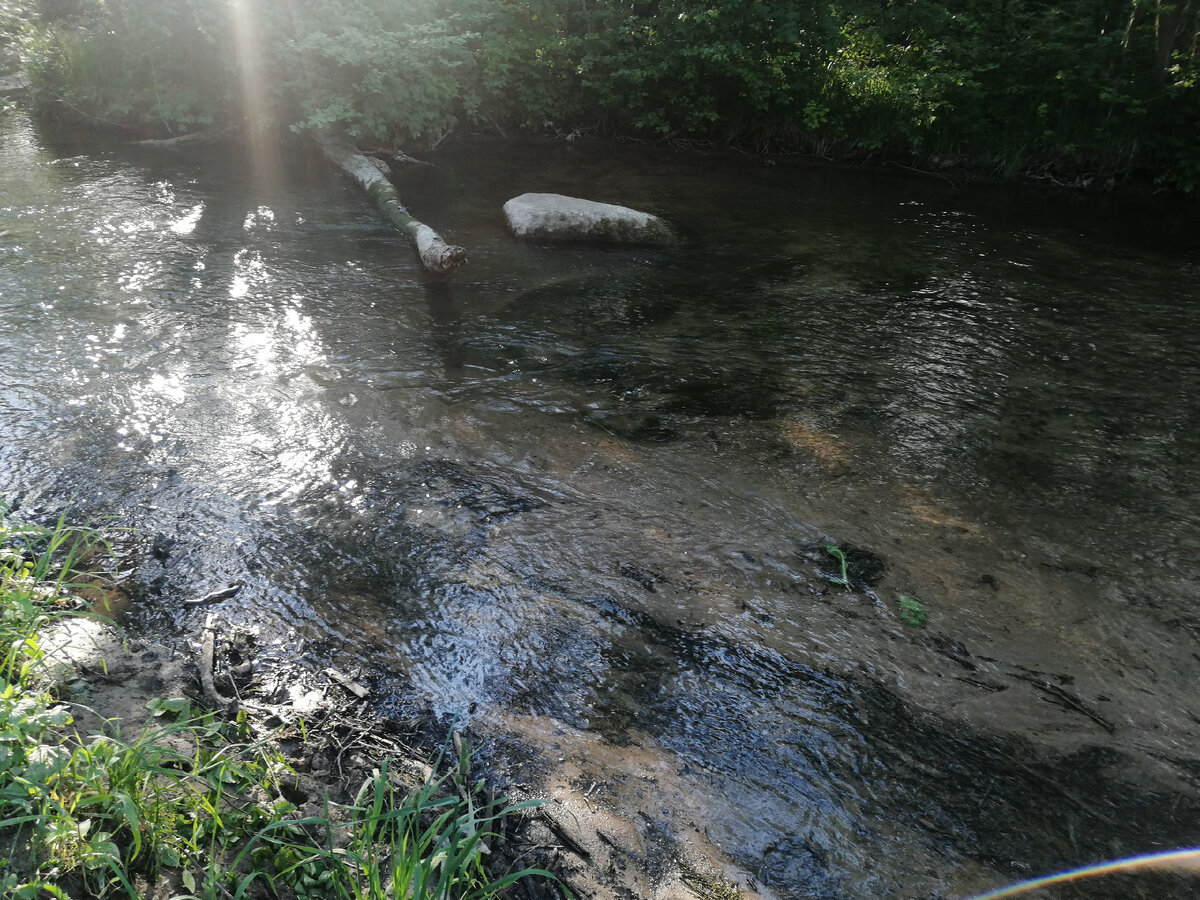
[(589, 503)]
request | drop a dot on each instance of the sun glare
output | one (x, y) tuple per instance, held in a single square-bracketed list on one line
[(252, 73)]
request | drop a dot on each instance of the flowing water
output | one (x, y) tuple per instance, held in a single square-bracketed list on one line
[(580, 498)]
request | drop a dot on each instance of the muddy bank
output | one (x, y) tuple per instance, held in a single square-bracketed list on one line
[(328, 730), (633, 807)]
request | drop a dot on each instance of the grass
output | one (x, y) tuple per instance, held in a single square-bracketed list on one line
[(191, 805), (709, 887), (912, 610), (843, 577), (424, 843)]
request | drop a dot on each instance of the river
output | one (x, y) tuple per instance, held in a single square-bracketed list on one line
[(581, 499)]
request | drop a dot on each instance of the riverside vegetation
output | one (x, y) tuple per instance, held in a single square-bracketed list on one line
[(1090, 91), (194, 807)]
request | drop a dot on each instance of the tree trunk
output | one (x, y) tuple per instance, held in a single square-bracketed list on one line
[(1170, 20), (436, 255)]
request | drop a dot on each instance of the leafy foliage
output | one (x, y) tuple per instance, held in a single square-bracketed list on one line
[(425, 843), (1071, 86), (1057, 86), (148, 63), (842, 576), (15, 20), (381, 71)]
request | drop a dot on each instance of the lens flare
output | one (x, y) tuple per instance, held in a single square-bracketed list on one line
[(1174, 860), (251, 67)]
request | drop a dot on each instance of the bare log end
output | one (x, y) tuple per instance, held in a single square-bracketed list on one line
[(437, 256)]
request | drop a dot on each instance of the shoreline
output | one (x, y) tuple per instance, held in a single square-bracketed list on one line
[(321, 728)]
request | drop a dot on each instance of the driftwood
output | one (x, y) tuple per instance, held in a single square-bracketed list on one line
[(195, 138), (214, 596), (74, 112), (349, 684), (438, 257), (13, 84), (207, 661)]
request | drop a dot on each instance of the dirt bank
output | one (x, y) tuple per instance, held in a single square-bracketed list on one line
[(325, 726)]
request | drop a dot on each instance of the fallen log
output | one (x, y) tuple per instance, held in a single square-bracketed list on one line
[(195, 138), (438, 257)]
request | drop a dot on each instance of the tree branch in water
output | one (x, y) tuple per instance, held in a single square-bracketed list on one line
[(437, 256)]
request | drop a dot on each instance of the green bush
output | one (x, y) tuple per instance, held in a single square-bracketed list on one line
[(153, 64), (384, 71), (1066, 86), (15, 21)]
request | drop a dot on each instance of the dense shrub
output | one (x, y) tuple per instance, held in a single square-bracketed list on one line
[(1107, 86), (15, 19), (380, 70), (158, 64)]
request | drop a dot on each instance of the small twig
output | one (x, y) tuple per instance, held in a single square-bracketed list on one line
[(1074, 798), (348, 745), (946, 178), (1065, 700), (564, 838)]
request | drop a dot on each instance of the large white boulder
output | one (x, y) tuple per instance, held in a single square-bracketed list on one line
[(554, 217)]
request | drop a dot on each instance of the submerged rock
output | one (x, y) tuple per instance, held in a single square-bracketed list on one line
[(555, 217)]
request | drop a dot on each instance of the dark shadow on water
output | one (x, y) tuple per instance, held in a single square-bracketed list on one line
[(446, 321), (758, 728)]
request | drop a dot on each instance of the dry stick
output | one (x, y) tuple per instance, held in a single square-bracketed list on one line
[(213, 596), (401, 157), (398, 156), (207, 654), (108, 123), (351, 742), (207, 647), (438, 257), (349, 684), (564, 838), (199, 138), (950, 181)]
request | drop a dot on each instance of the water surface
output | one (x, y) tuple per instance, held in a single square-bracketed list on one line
[(580, 498)]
